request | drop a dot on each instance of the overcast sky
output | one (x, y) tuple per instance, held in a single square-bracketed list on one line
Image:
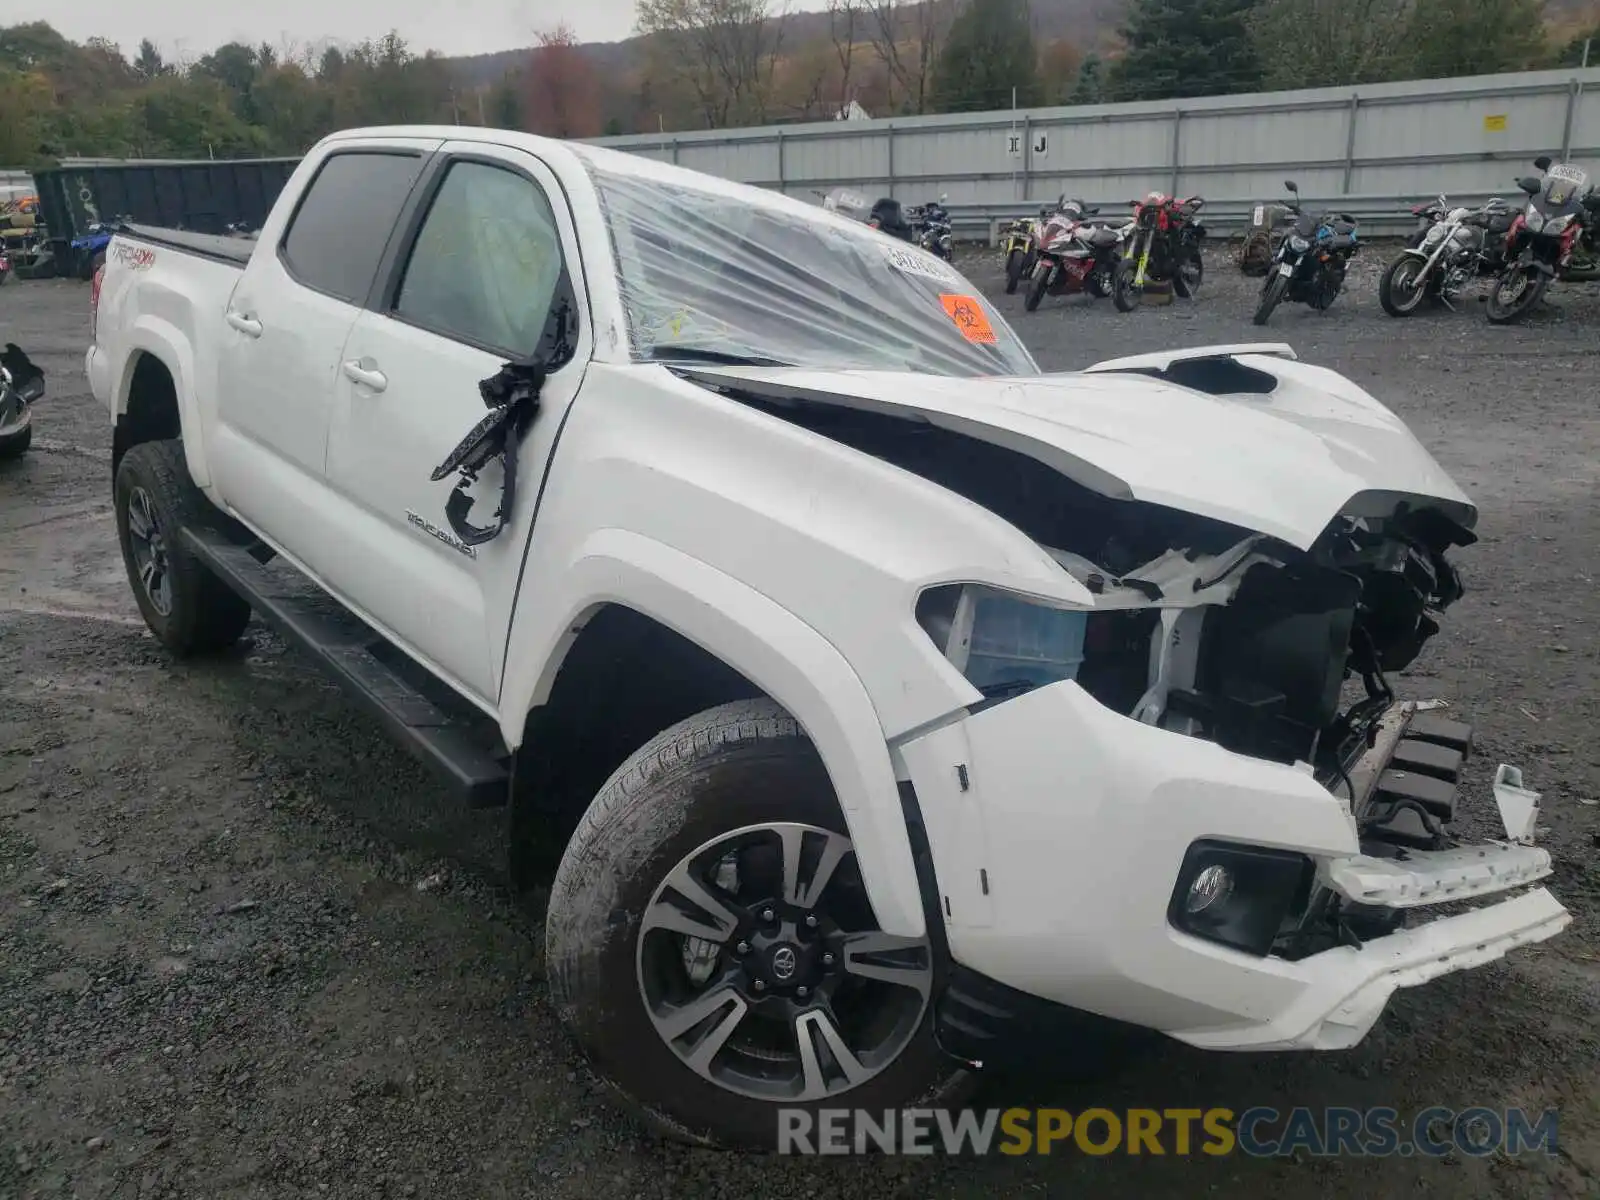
[(190, 28)]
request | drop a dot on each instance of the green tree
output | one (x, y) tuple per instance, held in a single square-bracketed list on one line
[(1091, 85), (1572, 54), (148, 63), (1330, 43), (1185, 48), (504, 105), (989, 51), (1474, 37), (193, 117)]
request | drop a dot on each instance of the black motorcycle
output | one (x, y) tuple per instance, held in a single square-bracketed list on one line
[(933, 228), (1309, 267), (21, 383)]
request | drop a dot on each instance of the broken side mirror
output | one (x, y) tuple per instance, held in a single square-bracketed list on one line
[(1542, 162), (1529, 184)]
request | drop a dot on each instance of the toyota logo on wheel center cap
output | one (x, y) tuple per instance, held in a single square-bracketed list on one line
[(784, 963)]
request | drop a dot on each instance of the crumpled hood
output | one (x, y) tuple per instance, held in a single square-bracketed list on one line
[(1283, 460)]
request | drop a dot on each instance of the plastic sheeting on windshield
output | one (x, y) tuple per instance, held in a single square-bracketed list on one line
[(719, 273)]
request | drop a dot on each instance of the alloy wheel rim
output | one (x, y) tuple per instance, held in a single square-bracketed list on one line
[(762, 970), (149, 548)]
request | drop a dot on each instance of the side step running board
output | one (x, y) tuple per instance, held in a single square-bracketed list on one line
[(461, 753)]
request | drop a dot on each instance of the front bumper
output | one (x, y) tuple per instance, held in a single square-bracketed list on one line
[(1057, 829)]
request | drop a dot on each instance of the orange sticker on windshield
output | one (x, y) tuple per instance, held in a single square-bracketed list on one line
[(968, 315)]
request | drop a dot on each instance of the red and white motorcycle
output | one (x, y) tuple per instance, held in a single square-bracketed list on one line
[(1076, 254)]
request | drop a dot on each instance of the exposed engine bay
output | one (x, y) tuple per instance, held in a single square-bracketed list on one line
[(1199, 626)]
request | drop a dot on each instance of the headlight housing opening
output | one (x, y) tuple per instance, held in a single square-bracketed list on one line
[(1002, 642)]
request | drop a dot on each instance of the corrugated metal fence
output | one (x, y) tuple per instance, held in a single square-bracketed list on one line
[(1379, 145)]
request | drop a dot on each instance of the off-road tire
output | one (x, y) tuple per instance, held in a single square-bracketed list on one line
[(735, 765), (1501, 314), (1181, 286), (206, 616), (1123, 294)]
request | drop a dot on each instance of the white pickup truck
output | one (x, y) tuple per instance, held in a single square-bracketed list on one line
[(889, 706)]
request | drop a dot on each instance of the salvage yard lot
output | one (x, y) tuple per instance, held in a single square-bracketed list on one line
[(247, 950)]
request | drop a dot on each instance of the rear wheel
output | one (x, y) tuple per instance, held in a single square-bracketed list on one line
[(187, 607), (1402, 289), (1515, 294), (710, 944), (1271, 294), (1015, 262), (1190, 273), (15, 445), (1040, 285), (1123, 292)]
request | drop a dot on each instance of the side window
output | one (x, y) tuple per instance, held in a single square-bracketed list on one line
[(336, 238), (487, 261)]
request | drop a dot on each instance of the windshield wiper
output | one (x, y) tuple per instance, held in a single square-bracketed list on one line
[(709, 354)]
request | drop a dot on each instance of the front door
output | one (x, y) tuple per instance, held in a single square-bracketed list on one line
[(492, 258)]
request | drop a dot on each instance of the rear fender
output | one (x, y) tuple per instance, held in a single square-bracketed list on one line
[(163, 340)]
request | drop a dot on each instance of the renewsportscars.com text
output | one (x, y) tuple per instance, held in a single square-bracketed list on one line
[(1259, 1132)]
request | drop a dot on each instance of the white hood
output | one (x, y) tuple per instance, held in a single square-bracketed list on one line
[(1283, 463)]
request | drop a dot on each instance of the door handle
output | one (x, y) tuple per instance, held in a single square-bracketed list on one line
[(248, 326), (366, 377)]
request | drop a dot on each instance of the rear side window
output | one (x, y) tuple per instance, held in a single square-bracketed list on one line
[(337, 236)]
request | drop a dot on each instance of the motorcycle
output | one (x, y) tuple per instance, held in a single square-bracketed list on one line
[(1309, 267), (1460, 246), (1020, 240), (21, 384), (1075, 255), (1165, 245), (88, 249), (1542, 241), (1428, 215), (934, 234)]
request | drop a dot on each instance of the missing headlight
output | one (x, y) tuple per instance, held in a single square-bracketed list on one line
[(1002, 642)]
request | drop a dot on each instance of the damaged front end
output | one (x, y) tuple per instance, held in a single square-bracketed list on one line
[(1301, 815)]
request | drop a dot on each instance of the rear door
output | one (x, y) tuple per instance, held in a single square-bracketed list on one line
[(283, 330), (486, 265)]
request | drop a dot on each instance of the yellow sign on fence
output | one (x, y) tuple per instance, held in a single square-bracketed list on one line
[(1494, 123)]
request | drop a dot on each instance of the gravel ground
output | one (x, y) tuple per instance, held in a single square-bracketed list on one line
[(246, 950)]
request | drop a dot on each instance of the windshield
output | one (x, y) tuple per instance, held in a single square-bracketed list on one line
[(709, 275), (1563, 184)]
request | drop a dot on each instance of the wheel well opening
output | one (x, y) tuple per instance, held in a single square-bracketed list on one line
[(626, 678), (152, 413)]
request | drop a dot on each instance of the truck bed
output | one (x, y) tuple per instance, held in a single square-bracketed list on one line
[(232, 251)]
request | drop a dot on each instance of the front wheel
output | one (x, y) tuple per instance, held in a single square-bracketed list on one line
[(1040, 285), (1402, 289), (1515, 294), (1015, 261), (1270, 296), (1123, 292), (1190, 273), (710, 944)]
